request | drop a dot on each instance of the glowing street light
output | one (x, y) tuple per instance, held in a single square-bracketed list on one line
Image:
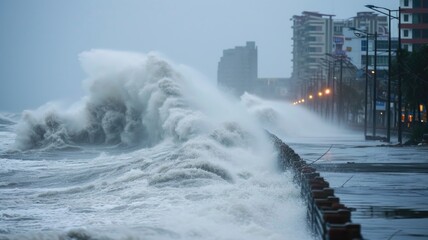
[(310, 96), (327, 91), (320, 94)]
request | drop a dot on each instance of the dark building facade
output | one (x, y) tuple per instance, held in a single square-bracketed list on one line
[(237, 69), (414, 23)]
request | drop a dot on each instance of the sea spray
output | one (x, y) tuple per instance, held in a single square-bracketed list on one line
[(131, 99), (288, 120), (202, 167)]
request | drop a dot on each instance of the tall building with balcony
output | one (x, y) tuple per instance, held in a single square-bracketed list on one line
[(312, 40), (237, 69), (414, 23), (355, 43), (366, 21), (356, 47)]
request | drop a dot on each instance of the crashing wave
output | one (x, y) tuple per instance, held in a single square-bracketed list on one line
[(134, 101)]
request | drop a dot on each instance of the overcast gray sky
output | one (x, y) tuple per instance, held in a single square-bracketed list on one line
[(40, 40)]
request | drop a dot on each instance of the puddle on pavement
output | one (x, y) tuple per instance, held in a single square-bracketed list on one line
[(390, 212)]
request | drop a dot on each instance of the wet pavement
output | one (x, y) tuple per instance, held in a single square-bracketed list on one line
[(386, 186)]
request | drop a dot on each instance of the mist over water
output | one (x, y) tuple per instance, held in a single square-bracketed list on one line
[(288, 120), (152, 152)]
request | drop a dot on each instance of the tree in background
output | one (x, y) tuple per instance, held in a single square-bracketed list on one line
[(415, 87)]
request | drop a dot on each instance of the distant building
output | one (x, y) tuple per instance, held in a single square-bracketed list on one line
[(355, 49), (237, 69), (319, 41), (366, 21), (312, 40), (414, 23)]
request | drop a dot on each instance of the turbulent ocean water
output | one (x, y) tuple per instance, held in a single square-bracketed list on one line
[(151, 152)]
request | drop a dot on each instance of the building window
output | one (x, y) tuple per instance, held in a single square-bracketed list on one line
[(425, 33), (394, 44), (363, 60), (424, 16), (416, 18), (382, 44), (417, 4), (315, 49), (406, 3), (315, 28), (406, 17), (382, 60), (417, 33), (406, 47), (363, 45), (406, 33)]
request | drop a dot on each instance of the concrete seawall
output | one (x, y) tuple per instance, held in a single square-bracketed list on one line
[(328, 218)]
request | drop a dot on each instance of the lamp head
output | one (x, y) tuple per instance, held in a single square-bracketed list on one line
[(370, 6)]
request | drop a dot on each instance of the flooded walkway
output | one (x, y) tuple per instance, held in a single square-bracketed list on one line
[(386, 186)]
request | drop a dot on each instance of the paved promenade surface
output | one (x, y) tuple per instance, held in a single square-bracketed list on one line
[(387, 186)]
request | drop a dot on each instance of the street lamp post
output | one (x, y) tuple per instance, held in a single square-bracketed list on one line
[(399, 75), (328, 87), (333, 87), (374, 84), (340, 95), (388, 101), (357, 33), (388, 106), (367, 85), (327, 63), (374, 78)]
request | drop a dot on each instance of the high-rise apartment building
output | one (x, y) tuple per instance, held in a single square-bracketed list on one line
[(355, 43), (312, 40), (319, 40), (237, 69), (414, 23), (367, 21)]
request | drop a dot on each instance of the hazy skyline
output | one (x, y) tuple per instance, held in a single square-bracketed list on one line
[(41, 40)]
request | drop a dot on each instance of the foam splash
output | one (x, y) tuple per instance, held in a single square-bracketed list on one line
[(287, 120), (132, 99), (139, 100), (202, 169)]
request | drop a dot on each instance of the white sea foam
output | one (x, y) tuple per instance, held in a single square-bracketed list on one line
[(203, 168)]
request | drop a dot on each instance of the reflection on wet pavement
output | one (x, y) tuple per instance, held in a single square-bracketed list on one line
[(387, 186), (374, 167), (389, 212)]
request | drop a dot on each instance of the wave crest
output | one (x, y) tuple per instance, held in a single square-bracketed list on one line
[(132, 99)]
